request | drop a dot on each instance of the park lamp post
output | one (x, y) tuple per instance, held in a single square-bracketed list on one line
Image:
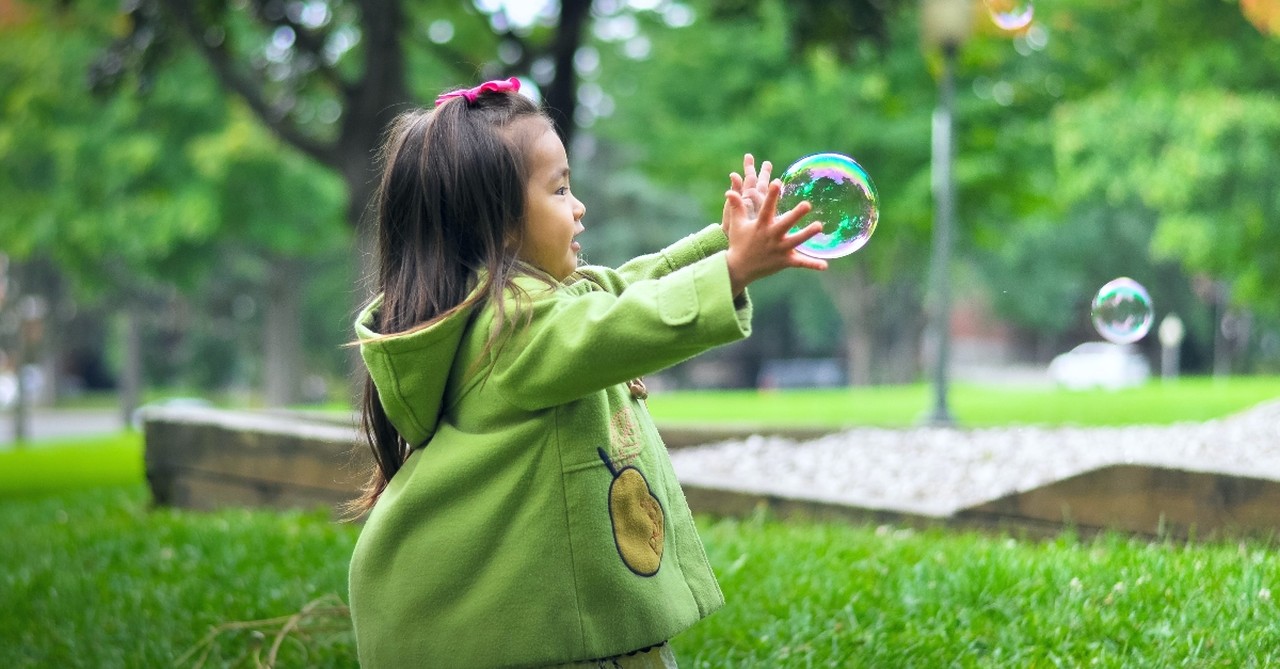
[(945, 25)]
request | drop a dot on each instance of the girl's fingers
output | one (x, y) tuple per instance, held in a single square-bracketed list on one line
[(733, 203), (798, 259), (803, 235), (735, 181), (769, 208), (792, 217), (749, 171), (803, 261), (766, 171)]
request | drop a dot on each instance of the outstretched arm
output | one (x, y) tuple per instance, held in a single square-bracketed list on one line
[(752, 189), (684, 252)]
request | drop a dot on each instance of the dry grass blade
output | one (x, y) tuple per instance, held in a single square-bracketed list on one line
[(325, 614)]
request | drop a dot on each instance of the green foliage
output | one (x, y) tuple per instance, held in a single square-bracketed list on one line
[(749, 82), (1203, 161), (1044, 273), (1169, 108), (161, 194), (778, 106), (270, 199), (1077, 143), (121, 185), (105, 187)]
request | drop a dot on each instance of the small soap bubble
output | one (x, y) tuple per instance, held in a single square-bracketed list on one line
[(1011, 14), (844, 201), (1122, 311)]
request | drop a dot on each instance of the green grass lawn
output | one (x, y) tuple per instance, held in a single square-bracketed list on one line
[(821, 595), (69, 465), (92, 576), (98, 579), (1188, 399)]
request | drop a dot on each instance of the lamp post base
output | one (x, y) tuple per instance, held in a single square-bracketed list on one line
[(939, 418)]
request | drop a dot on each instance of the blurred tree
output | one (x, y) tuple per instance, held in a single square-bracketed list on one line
[(1026, 219), (327, 76), (79, 175), (279, 211), (1073, 153), (783, 98), (105, 191), (1188, 134), (1081, 109), (132, 194), (1202, 161)]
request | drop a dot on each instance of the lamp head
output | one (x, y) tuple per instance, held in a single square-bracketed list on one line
[(946, 23)]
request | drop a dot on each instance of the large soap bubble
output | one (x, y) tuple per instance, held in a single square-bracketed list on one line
[(1122, 311), (844, 201)]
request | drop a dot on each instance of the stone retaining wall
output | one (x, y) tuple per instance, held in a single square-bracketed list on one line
[(204, 458), (1147, 500), (208, 458)]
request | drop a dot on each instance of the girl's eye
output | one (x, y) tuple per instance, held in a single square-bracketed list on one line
[(562, 190)]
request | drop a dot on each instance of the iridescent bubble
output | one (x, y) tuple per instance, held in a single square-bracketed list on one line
[(844, 201), (1122, 311), (1011, 14)]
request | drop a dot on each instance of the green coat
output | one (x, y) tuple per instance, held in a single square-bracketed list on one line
[(539, 520)]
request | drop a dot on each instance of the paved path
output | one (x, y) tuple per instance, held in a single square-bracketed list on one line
[(54, 424)]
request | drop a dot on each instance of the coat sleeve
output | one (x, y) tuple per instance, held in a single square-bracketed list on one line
[(580, 341), (685, 252)]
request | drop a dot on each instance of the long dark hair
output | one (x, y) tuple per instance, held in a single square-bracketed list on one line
[(450, 203)]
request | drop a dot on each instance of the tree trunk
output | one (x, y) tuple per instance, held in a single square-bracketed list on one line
[(854, 296), (365, 261), (899, 320), (562, 94), (282, 333), (131, 363)]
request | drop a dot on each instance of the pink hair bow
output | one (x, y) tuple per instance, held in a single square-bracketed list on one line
[(511, 85)]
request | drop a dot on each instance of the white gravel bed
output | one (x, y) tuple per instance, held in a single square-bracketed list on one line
[(938, 471)]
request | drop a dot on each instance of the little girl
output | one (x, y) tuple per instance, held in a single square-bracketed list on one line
[(524, 511)]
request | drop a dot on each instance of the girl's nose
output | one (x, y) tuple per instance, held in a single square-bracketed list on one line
[(579, 209)]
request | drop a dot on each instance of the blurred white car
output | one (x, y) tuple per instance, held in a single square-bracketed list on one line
[(8, 389), (1098, 364)]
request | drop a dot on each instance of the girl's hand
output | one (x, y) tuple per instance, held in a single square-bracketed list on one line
[(751, 187), (762, 245)]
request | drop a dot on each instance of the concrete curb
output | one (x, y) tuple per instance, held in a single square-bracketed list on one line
[(1134, 499)]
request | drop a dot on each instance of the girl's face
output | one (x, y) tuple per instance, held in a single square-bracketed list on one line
[(553, 216)]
